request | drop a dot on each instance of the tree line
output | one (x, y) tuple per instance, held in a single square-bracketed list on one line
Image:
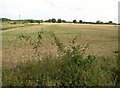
[(53, 20)]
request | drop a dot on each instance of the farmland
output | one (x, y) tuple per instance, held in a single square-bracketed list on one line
[(101, 41)]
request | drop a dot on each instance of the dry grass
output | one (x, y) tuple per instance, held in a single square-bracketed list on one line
[(102, 38)]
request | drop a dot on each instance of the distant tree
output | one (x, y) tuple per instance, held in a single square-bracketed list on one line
[(50, 20), (63, 21), (5, 19), (80, 21), (38, 21), (53, 20), (59, 20), (41, 21), (99, 22), (110, 22), (31, 21), (74, 21)]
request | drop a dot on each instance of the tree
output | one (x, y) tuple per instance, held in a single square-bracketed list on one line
[(74, 21), (53, 20), (41, 21), (110, 22), (5, 19), (80, 21), (99, 22), (50, 20), (38, 21), (31, 21), (63, 21), (59, 20)]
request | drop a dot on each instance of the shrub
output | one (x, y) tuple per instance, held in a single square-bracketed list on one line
[(34, 44), (72, 63)]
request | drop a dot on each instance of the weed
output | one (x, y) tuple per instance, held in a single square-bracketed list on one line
[(35, 44)]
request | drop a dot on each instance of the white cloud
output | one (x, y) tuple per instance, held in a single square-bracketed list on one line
[(88, 10)]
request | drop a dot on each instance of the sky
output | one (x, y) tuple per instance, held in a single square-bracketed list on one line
[(86, 10)]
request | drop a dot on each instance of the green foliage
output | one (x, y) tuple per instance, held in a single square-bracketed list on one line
[(80, 21), (50, 20), (53, 20), (31, 21), (63, 21), (99, 22), (110, 22), (59, 21), (74, 21), (38, 21), (5, 19), (36, 44), (72, 64), (13, 22), (58, 43)]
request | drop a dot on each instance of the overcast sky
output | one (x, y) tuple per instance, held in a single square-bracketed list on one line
[(86, 10)]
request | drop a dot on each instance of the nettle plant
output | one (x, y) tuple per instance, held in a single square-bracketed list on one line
[(73, 50), (71, 66), (36, 43), (73, 63)]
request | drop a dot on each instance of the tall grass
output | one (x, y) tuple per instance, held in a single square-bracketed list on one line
[(72, 67)]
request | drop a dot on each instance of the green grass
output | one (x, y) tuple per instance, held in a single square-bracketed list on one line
[(22, 64), (54, 72)]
